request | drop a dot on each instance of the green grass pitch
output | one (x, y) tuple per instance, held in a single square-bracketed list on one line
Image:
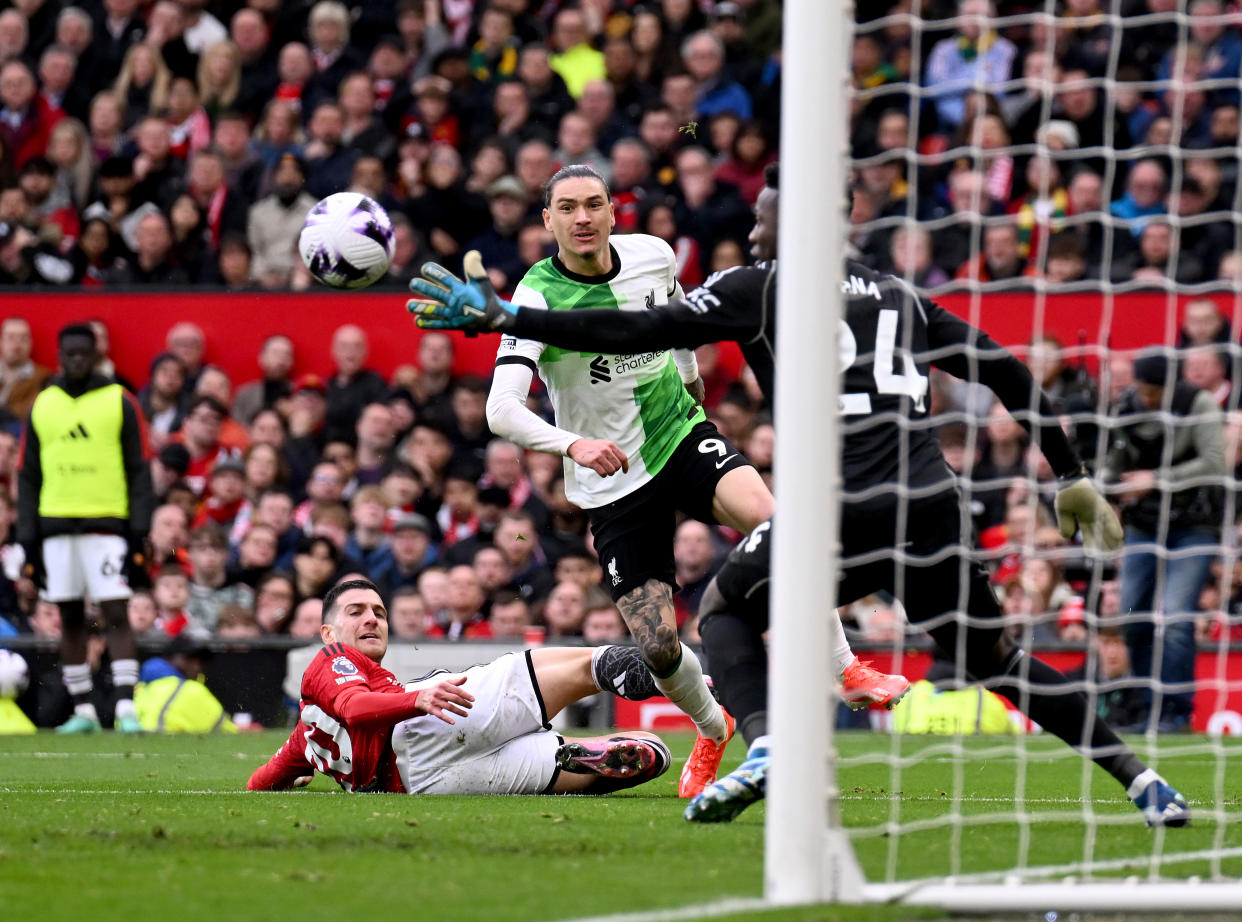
[(109, 827)]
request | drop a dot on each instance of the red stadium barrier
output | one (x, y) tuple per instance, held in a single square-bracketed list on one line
[(236, 324), (1218, 695)]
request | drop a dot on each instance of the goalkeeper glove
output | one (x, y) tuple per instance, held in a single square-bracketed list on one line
[(1079, 505), (448, 303)]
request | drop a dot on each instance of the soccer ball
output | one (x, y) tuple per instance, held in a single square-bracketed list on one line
[(14, 676), (347, 241)]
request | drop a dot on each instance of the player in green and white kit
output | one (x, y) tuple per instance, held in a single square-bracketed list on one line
[(640, 445)]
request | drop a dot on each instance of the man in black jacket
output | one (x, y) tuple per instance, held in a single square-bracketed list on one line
[(1167, 458)]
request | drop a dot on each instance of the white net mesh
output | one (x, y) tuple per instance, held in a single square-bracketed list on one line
[(1065, 178)]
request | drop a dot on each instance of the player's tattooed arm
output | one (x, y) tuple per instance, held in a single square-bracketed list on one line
[(648, 614)]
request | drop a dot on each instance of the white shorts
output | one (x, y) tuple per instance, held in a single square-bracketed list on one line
[(85, 566), (502, 747)]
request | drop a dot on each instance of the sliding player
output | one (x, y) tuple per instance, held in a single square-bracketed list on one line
[(483, 731)]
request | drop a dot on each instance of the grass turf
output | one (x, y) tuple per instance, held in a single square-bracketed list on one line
[(111, 827)]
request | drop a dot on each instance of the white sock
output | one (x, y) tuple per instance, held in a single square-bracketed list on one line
[(77, 678), (759, 747), (87, 711), (1146, 778), (686, 689), (125, 707), (125, 672), (843, 656)]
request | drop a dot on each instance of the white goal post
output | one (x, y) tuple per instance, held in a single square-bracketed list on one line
[(809, 848)]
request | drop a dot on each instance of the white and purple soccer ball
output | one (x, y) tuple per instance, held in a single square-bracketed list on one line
[(347, 241), (14, 675)]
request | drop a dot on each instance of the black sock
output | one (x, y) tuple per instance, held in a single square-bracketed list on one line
[(754, 726), (1064, 713), (621, 671), (738, 664)]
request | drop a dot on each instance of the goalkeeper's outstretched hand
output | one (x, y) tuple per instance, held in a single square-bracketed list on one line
[(1080, 505), (448, 303)]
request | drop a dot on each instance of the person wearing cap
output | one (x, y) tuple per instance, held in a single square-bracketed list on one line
[(226, 493), (506, 202), (407, 554), (1165, 462), (276, 220), (84, 509)]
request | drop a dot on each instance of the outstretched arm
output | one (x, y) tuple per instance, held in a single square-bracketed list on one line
[(286, 768), (703, 316)]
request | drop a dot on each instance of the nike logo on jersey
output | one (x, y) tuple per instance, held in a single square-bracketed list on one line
[(720, 464), (599, 370)]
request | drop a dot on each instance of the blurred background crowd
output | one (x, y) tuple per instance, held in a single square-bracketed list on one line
[(994, 146)]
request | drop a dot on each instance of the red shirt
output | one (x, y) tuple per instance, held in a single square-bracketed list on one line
[(349, 707)]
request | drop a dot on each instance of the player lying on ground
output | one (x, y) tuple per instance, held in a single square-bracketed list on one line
[(484, 731), (641, 448), (889, 337)]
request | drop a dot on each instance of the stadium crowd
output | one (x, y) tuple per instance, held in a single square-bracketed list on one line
[(175, 143)]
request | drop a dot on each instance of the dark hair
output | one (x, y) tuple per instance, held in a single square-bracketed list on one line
[(273, 491), (205, 400), (472, 384), (507, 597), (772, 175), (577, 553), (573, 171), (307, 543), (401, 469), (210, 534), (330, 597), (76, 329)]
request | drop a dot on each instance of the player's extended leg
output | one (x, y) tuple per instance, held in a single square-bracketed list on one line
[(649, 614), (569, 674), (1040, 691), (604, 764), (75, 670), (741, 495), (124, 654), (599, 765)]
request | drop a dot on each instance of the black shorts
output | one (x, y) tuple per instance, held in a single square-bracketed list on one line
[(634, 535), (929, 586)]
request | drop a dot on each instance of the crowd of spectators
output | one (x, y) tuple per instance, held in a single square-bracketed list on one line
[(183, 142), (1070, 142), (270, 493)]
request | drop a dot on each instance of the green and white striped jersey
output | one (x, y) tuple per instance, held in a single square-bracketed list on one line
[(638, 401)]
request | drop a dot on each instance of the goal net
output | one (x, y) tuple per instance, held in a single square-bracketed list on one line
[(1064, 176)]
